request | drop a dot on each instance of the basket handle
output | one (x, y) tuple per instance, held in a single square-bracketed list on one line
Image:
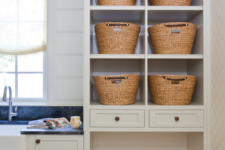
[(117, 24), (110, 78), (175, 79), (175, 25)]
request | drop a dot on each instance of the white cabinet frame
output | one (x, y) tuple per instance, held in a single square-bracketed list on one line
[(198, 63)]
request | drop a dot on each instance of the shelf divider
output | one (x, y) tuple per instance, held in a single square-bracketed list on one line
[(175, 56)]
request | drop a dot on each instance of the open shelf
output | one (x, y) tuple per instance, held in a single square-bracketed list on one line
[(97, 103), (138, 3), (175, 56), (131, 16), (175, 8), (196, 17), (117, 56), (142, 3), (192, 104), (193, 3), (118, 8), (142, 56), (124, 15), (179, 67), (117, 67), (172, 15)]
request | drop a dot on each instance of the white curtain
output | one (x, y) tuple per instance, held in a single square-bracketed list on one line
[(23, 26)]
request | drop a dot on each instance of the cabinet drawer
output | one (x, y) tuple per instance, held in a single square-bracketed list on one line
[(58, 142), (176, 118), (117, 118)]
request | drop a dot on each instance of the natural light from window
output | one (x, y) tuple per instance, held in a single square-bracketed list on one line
[(24, 74), (23, 26)]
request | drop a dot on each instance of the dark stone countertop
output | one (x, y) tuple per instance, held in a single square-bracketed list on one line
[(63, 131), (29, 113)]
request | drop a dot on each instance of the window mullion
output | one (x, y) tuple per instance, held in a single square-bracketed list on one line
[(16, 65), (16, 77), (44, 76)]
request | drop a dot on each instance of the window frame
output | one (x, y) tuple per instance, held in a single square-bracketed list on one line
[(16, 98), (32, 101)]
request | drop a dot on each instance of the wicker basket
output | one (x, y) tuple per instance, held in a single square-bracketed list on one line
[(173, 37), (117, 2), (170, 2), (117, 90), (117, 37), (171, 89)]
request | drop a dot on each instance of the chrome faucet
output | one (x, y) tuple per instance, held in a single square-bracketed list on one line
[(11, 113)]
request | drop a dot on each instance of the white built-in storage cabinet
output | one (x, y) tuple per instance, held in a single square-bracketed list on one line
[(145, 125), (54, 142)]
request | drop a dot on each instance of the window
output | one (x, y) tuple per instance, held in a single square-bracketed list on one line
[(22, 32), (25, 74)]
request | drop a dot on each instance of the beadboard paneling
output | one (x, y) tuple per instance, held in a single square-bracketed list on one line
[(69, 43), (69, 65), (67, 82), (69, 3), (69, 89), (69, 20)]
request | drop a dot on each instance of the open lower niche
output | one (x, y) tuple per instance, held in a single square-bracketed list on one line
[(147, 141)]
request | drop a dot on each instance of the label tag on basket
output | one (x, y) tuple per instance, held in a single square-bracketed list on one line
[(117, 29), (116, 81), (175, 31), (175, 82)]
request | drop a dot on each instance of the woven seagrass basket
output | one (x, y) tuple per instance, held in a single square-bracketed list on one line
[(171, 89), (172, 37), (117, 90), (117, 2), (170, 2), (117, 37)]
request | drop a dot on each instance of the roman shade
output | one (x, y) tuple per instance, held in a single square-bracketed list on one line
[(23, 26)]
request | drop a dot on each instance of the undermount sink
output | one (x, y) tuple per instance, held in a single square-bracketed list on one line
[(11, 139)]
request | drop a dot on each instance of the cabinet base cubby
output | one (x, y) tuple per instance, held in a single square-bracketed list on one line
[(103, 67), (179, 67), (195, 16), (147, 140), (107, 15)]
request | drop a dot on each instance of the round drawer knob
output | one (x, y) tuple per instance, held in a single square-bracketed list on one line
[(177, 118), (38, 141), (117, 118)]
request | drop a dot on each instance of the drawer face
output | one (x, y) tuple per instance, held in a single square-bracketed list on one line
[(176, 118), (117, 118)]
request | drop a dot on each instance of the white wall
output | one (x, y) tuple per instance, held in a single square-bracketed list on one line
[(65, 52), (217, 75)]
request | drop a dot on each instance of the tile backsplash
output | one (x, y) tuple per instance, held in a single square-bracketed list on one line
[(33, 112)]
